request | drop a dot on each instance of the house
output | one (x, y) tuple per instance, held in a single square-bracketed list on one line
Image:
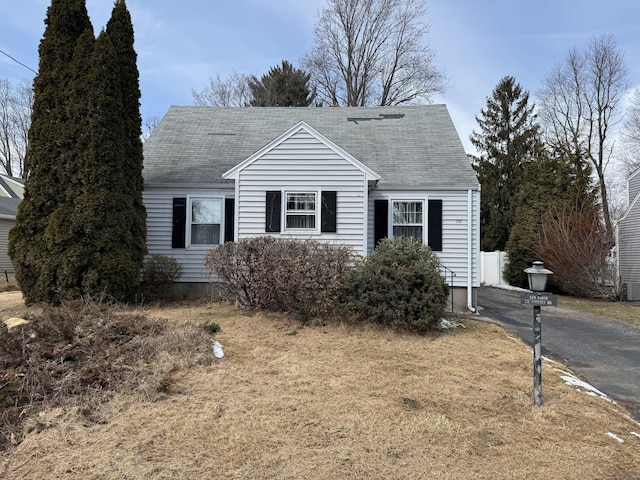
[(344, 175), (628, 241), (11, 193)]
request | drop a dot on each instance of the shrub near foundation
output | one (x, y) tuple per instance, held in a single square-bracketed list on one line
[(399, 285), (158, 273), (301, 277)]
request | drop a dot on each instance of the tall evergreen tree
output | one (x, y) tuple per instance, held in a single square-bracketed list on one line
[(133, 226), (283, 86), (66, 259), (83, 231), (509, 138), (49, 138), (100, 210), (554, 184)]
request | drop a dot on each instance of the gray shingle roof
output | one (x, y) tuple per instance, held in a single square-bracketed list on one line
[(415, 146), (9, 206)]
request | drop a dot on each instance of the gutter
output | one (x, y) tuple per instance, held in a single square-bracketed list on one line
[(618, 277)]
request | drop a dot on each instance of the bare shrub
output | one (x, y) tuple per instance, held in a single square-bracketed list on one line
[(302, 277), (8, 284), (158, 273), (573, 246)]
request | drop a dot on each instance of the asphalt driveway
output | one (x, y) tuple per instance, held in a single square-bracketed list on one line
[(603, 352)]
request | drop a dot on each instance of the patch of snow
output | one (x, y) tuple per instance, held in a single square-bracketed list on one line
[(576, 382), (509, 287), (615, 437), (448, 324), (635, 434)]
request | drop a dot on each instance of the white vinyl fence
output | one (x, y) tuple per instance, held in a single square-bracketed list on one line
[(492, 267)]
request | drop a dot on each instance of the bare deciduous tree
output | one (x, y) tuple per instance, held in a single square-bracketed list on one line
[(149, 124), (373, 52), (580, 104), (630, 148), (16, 103), (232, 92)]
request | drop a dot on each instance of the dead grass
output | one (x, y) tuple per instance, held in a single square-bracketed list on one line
[(8, 282), (334, 401), (625, 312)]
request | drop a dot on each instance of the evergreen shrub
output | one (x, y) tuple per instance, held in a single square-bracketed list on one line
[(301, 277), (400, 285)]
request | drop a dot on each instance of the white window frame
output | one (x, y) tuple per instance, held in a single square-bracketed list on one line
[(411, 199), (316, 211), (190, 200)]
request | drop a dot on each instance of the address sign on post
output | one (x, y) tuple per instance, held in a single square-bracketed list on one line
[(541, 299)]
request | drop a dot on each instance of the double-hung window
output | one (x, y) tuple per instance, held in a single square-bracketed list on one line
[(205, 221), (301, 210), (408, 219)]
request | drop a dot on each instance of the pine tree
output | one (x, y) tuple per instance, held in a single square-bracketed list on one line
[(509, 139), (283, 86), (49, 138)]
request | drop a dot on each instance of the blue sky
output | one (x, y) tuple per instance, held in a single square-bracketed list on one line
[(182, 44)]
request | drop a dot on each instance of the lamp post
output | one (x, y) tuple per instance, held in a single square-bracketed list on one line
[(537, 276)]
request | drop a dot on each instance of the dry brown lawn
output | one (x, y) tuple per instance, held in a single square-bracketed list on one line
[(334, 402)]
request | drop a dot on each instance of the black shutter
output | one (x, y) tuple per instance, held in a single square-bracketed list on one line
[(229, 210), (179, 222), (328, 212), (380, 220), (435, 225), (272, 220)]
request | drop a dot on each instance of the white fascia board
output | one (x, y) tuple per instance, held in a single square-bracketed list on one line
[(631, 206), (633, 174)]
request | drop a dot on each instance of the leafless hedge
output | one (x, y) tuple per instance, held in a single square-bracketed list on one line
[(573, 245), (302, 277)]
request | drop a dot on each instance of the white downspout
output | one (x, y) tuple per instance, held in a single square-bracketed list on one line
[(470, 252), (618, 277)]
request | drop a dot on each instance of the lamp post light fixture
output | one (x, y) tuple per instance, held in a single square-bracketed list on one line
[(537, 276)]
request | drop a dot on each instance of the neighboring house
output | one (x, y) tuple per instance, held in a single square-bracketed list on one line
[(628, 241), (11, 193), (341, 175)]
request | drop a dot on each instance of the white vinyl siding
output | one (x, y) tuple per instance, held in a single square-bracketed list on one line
[(455, 231), (303, 163), (159, 204), (629, 241), (5, 261)]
